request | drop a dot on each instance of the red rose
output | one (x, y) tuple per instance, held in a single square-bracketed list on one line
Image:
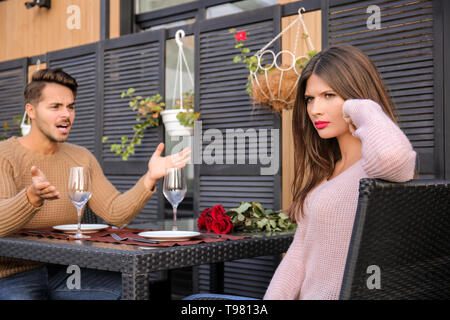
[(240, 36), (217, 211), (215, 219), (222, 225), (205, 220)]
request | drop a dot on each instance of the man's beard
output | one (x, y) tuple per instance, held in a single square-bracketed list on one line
[(49, 136)]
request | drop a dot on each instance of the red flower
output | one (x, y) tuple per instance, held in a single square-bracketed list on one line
[(222, 225), (214, 219), (205, 220), (240, 36), (217, 211)]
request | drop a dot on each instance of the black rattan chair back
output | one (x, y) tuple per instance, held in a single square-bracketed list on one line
[(400, 245)]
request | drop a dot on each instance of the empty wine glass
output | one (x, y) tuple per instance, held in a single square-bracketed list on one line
[(79, 193), (174, 190)]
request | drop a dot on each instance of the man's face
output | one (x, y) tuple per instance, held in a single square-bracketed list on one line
[(55, 113)]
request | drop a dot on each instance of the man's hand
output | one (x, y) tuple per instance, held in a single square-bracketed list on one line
[(40, 188), (158, 166)]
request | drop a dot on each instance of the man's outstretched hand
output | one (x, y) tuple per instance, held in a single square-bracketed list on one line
[(40, 189), (158, 166)]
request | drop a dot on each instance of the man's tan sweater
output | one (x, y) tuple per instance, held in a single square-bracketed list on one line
[(16, 212)]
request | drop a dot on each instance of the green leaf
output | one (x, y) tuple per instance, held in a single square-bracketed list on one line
[(244, 207), (273, 224), (283, 216), (104, 139), (257, 207), (256, 215)]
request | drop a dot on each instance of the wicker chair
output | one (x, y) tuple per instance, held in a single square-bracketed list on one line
[(400, 245)]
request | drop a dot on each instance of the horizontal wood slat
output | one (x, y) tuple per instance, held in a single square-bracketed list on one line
[(403, 51), (83, 69), (135, 66)]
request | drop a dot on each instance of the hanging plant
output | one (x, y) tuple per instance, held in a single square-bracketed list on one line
[(179, 121), (148, 110), (273, 85), (6, 125), (187, 117)]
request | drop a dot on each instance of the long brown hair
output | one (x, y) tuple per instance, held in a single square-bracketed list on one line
[(350, 73)]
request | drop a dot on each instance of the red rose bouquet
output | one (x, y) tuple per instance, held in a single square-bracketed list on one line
[(214, 219)]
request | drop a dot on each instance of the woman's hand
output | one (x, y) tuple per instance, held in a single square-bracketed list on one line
[(158, 166), (351, 125)]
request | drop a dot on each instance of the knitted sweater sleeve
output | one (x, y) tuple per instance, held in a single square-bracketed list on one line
[(112, 206), (15, 209), (387, 152), (288, 278)]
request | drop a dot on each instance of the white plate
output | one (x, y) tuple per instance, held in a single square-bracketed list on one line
[(85, 228), (169, 235)]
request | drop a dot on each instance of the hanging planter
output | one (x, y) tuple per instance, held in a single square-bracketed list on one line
[(173, 125), (274, 85), (25, 126), (179, 121)]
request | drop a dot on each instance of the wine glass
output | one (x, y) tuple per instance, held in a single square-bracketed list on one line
[(174, 190), (79, 193)]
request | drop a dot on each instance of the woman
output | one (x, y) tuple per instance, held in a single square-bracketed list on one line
[(344, 130)]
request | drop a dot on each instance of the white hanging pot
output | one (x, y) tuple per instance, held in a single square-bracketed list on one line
[(173, 126), (25, 127)]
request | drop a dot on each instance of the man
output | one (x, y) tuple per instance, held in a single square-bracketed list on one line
[(34, 171)]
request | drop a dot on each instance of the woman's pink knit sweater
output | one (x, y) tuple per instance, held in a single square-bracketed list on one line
[(314, 264)]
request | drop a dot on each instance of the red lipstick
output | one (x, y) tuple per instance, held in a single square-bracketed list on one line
[(321, 124)]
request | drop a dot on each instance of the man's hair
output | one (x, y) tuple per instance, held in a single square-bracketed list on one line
[(33, 90)]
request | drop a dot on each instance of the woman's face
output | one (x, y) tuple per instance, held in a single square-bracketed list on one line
[(324, 108)]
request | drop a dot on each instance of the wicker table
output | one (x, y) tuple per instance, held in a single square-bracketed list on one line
[(136, 263)]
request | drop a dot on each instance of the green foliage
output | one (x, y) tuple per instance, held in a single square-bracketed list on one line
[(251, 217), (251, 62), (301, 63), (187, 118), (16, 120), (147, 115)]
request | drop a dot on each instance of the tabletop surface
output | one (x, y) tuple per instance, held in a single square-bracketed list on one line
[(134, 258)]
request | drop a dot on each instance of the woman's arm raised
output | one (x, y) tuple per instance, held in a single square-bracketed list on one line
[(387, 152)]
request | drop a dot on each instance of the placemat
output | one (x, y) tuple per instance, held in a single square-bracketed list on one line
[(105, 236)]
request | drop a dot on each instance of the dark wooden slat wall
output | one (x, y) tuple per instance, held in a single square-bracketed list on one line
[(83, 68), (403, 51), (13, 78), (225, 105)]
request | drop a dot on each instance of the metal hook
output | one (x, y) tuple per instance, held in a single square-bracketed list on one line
[(302, 9), (178, 36)]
